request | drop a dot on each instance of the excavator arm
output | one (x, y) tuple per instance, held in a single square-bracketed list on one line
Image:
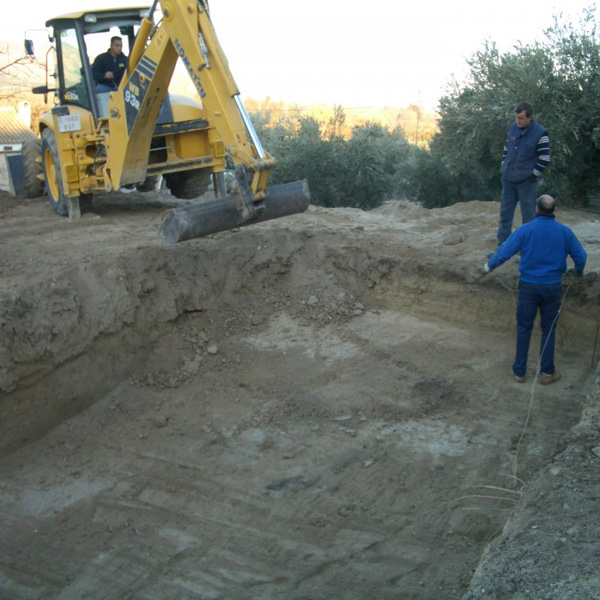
[(186, 32)]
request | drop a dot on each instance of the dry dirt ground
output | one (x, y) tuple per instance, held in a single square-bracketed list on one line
[(314, 408)]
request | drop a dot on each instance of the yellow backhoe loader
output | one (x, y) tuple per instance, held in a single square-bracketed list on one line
[(98, 140)]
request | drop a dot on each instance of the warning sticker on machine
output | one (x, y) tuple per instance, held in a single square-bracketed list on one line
[(69, 123)]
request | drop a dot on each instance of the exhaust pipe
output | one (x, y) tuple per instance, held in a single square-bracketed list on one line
[(198, 220)]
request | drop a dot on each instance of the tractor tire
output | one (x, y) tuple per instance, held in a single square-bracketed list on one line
[(148, 185), (188, 184), (54, 184), (31, 151)]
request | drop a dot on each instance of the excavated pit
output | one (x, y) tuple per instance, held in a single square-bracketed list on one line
[(311, 408)]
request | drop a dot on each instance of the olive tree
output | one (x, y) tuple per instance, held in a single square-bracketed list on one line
[(561, 78)]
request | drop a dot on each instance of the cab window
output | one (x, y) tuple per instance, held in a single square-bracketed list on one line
[(75, 91)]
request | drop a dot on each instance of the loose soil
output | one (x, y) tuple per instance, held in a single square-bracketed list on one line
[(312, 408)]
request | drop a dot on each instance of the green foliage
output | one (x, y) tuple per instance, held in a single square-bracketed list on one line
[(302, 153), (575, 104), (424, 180), (476, 116), (369, 164), (561, 78), (363, 160), (362, 171)]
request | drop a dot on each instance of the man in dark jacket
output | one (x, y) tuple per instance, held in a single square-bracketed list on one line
[(109, 67), (526, 155), (544, 244)]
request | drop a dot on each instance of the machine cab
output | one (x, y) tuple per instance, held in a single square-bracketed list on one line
[(79, 38)]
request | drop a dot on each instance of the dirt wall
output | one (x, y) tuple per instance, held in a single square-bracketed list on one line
[(312, 406)]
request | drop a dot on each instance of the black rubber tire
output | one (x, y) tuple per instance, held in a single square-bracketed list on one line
[(148, 185), (52, 176), (31, 151), (188, 184)]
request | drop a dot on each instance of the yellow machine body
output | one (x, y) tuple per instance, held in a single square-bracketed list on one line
[(94, 142)]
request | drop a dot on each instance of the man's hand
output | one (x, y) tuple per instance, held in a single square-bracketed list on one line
[(572, 274), (108, 75)]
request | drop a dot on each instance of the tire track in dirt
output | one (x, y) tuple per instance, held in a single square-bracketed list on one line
[(299, 408)]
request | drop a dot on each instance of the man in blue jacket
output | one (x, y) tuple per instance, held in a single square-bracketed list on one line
[(526, 155), (544, 244), (109, 67)]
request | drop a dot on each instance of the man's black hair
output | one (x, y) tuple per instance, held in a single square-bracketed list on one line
[(524, 106)]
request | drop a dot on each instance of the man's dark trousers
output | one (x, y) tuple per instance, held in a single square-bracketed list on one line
[(548, 299), (522, 193)]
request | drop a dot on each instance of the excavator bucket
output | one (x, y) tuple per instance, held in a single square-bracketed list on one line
[(198, 220)]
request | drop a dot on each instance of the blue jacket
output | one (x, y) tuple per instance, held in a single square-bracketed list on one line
[(544, 244), (526, 153), (107, 62)]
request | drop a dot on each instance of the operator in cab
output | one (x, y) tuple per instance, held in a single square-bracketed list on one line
[(109, 67)]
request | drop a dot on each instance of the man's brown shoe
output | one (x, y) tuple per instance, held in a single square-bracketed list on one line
[(517, 378), (547, 379)]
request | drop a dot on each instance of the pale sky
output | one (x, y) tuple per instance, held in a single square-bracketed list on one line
[(356, 54)]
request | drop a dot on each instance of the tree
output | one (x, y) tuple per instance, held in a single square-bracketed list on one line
[(361, 171), (475, 116), (561, 78), (575, 102), (336, 124), (17, 77), (365, 181)]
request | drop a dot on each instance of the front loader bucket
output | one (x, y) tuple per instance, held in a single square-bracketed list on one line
[(198, 220)]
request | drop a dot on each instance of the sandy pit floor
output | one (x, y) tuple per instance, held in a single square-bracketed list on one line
[(312, 408)]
